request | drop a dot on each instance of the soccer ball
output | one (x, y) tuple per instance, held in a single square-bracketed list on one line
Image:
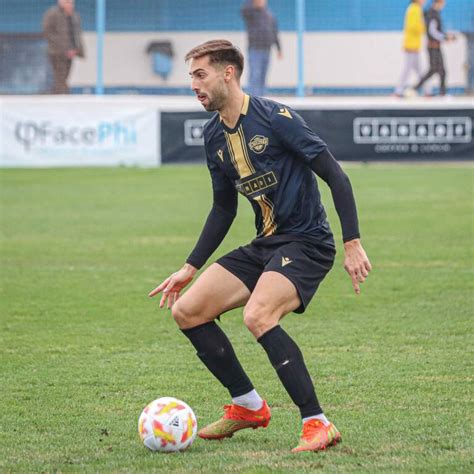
[(167, 424)]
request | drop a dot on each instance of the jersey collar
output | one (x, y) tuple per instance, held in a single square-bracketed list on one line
[(243, 112)]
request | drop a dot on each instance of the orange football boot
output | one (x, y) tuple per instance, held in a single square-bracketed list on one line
[(316, 436), (236, 418)]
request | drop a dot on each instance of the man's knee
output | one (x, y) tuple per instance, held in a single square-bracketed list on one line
[(182, 314), (188, 313), (260, 318)]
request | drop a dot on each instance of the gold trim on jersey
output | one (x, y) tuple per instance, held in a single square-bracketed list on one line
[(245, 105), (238, 152), (268, 215), (231, 153)]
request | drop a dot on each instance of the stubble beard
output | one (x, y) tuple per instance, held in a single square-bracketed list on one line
[(218, 101)]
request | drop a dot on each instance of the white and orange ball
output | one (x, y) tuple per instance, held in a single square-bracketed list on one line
[(167, 424)]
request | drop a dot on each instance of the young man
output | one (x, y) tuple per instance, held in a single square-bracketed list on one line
[(413, 30), (62, 30), (262, 34), (266, 152), (436, 35)]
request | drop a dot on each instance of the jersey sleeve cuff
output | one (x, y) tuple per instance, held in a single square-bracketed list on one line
[(198, 264), (351, 237)]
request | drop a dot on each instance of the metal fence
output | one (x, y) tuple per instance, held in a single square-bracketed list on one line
[(328, 46)]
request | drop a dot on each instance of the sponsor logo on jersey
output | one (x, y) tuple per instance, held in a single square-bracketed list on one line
[(256, 183), (220, 154), (258, 144)]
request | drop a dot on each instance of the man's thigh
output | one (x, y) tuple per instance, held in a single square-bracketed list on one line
[(273, 297), (214, 292)]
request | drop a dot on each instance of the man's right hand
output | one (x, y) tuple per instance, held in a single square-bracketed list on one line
[(172, 286)]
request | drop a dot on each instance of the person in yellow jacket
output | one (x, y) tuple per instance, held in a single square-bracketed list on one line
[(413, 31)]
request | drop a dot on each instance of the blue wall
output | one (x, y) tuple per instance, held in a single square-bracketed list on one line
[(204, 15)]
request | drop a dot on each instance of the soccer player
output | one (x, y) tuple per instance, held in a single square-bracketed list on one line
[(413, 30), (436, 36), (265, 151)]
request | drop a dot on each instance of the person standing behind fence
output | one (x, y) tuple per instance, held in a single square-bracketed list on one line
[(436, 36), (413, 30), (62, 30), (262, 31)]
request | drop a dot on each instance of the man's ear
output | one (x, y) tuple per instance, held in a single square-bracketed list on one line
[(229, 72)]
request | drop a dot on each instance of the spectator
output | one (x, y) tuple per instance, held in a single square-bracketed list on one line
[(62, 30), (436, 36), (262, 33), (413, 29)]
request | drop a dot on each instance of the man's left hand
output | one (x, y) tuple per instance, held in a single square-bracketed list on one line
[(356, 263)]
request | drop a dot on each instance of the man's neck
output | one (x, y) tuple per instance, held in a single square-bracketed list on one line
[(231, 112)]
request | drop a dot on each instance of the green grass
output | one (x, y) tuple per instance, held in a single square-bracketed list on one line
[(83, 349)]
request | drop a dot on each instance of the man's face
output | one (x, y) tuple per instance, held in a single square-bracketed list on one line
[(67, 6), (259, 3), (207, 82), (440, 5)]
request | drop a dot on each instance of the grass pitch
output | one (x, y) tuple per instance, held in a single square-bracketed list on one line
[(83, 349)]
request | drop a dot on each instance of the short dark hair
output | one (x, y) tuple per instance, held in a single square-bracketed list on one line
[(220, 51)]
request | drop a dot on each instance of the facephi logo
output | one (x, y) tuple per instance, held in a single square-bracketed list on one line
[(194, 132), (32, 134), (412, 130)]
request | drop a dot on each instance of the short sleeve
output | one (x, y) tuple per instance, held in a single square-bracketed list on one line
[(295, 134)]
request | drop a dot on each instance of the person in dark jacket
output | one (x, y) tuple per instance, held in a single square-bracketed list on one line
[(436, 35), (262, 31), (62, 30)]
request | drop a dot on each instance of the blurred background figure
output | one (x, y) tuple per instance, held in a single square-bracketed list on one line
[(62, 30), (262, 32), (436, 35), (413, 30)]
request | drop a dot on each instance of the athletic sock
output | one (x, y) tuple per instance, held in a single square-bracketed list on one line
[(250, 400), (287, 360), (320, 417), (216, 352)]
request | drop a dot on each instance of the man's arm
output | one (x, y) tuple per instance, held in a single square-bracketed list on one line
[(49, 26), (247, 10), (218, 223), (223, 212), (276, 37), (78, 34), (328, 169), (308, 147), (434, 32), (356, 262)]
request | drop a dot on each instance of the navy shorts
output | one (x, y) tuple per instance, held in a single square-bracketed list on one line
[(304, 263)]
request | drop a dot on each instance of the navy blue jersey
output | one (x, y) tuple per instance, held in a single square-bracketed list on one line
[(266, 157)]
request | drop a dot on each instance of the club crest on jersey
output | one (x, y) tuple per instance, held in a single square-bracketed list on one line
[(258, 143)]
